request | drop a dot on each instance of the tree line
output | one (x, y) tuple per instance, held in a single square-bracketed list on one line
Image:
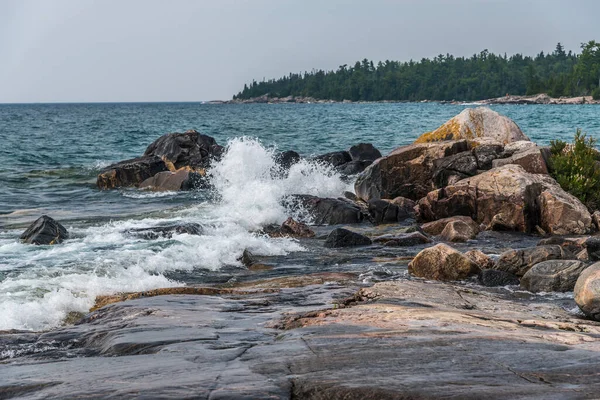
[(445, 77)]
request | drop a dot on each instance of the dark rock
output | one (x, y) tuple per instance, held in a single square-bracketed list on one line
[(188, 149), (402, 240), (492, 277), (364, 151), (130, 172), (286, 159), (386, 212), (167, 231), (341, 237), (451, 169), (45, 231), (293, 228), (327, 211), (335, 159), (196, 180), (351, 196), (518, 262), (593, 247), (553, 276), (353, 167), (247, 258), (486, 153), (407, 171)]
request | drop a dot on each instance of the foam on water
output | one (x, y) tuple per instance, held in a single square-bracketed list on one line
[(40, 285)]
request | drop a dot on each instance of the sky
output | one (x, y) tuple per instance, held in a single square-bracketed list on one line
[(197, 50)]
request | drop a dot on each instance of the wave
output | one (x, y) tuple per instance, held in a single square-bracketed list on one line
[(42, 284)]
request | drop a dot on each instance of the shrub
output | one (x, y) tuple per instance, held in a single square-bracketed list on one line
[(596, 93), (576, 168)]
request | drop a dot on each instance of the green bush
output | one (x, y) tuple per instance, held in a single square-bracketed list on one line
[(596, 93), (576, 168)]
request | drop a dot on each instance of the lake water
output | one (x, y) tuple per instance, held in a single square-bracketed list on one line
[(51, 155)]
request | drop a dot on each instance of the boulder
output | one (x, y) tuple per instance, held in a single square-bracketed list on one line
[(335, 159), (436, 228), (44, 231), (473, 123), (130, 172), (518, 262), (407, 171), (553, 276), (327, 211), (286, 159), (486, 153), (402, 240), (480, 258), (293, 228), (587, 291), (572, 244), (182, 179), (188, 149), (443, 263), (492, 278), (592, 245), (364, 151), (509, 198), (407, 205), (531, 160), (341, 237), (517, 147), (449, 170), (353, 167), (387, 212), (596, 220), (167, 231), (459, 231)]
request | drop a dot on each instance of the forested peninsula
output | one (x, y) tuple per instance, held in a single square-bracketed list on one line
[(445, 78)]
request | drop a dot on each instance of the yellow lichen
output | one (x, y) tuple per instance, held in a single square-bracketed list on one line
[(451, 130)]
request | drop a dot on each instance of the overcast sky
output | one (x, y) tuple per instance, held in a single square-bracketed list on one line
[(191, 50)]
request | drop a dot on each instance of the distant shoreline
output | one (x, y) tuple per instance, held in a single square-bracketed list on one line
[(508, 99)]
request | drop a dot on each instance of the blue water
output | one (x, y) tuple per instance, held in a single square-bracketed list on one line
[(51, 154)]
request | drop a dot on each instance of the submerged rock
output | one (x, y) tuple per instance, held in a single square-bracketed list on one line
[(587, 291), (402, 240), (553, 276), (518, 262), (44, 231), (167, 231), (327, 211), (492, 278), (442, 262), (341, 237), (473, 123)]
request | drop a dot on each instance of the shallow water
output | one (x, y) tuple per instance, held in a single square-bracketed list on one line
[(52, 153)]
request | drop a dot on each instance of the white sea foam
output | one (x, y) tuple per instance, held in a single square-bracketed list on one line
[(42, 284)]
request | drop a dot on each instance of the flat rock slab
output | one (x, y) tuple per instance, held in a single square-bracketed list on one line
[(408, 339)]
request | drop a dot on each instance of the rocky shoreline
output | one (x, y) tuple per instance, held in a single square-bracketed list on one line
[(541, 98), (459, 268)]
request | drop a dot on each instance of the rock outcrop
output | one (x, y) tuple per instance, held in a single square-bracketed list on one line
[(442, 262), (44, 231), (509, 198), (587, 291), (553, 276), (474, 123)]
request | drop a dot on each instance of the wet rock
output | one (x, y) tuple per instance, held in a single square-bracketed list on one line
[(592, 245), (335, 158), (508, 198), (442, 262), (587, 291), (188, 149), (531, 160), (435, 228), (328, 211), (553, 276), (459, 231), (130, 172), (486, 153), (480, 258), (573, 245), (182, 179), (293, 228), (492, 278), (407, 171), (518, 262), (44, 231), (407, 205), (473, 123), (364, 151), (286, 159), (387, 212), (402, 240), (167, 231), (449, 170), (247, 258), (341, 237), (353, 167)]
